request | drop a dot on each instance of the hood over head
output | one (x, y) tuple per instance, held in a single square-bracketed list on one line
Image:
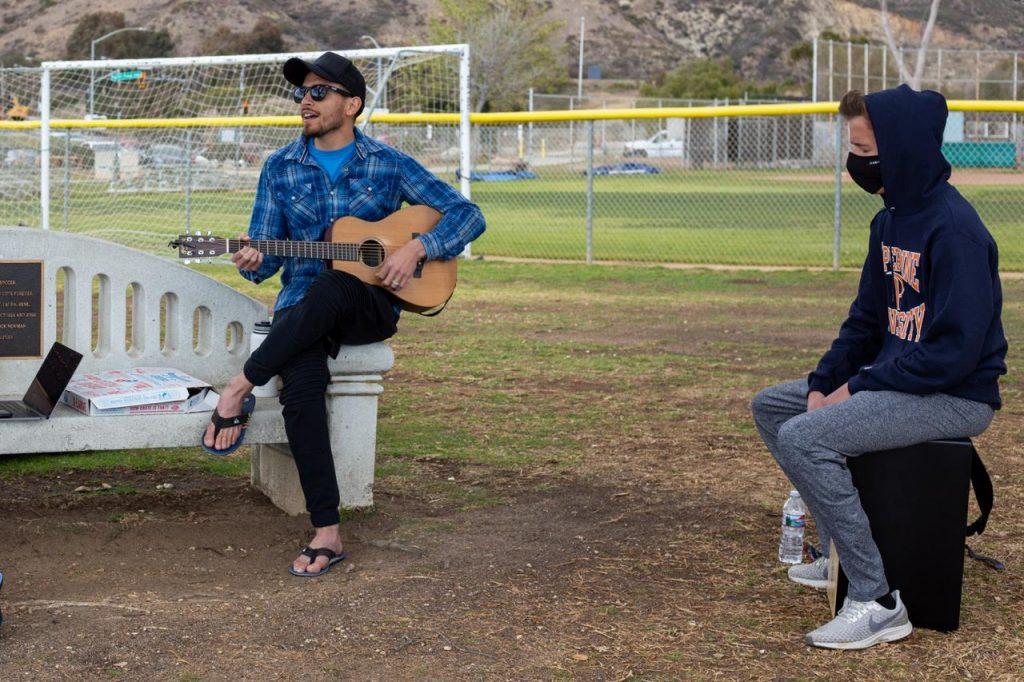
[(908, 128)]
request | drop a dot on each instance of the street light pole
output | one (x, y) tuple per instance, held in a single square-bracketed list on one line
[(92, 58)]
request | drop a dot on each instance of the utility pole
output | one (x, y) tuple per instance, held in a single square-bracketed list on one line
[(579, 87)]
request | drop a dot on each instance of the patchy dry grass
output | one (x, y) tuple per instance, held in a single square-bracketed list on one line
[(569, 486)]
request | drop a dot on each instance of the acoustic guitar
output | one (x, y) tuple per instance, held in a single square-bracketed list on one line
[(356, 246)]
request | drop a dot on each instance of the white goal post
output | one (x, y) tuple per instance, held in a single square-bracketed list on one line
[(88, 106)]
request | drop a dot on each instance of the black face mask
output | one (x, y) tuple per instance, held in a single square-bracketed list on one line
[(866, 171)]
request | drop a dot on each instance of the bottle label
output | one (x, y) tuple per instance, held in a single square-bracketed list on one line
[(793, 521)]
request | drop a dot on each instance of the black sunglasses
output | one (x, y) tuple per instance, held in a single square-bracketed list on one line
[(317, 92)]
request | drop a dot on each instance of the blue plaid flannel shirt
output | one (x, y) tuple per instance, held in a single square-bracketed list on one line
[(296, 200)]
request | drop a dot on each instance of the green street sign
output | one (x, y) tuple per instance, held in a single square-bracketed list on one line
[(125, 75)]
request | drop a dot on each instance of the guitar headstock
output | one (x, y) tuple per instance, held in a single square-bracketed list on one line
[(197, 246)]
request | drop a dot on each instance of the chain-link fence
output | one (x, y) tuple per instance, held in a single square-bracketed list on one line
[(958, 73), (135, 191), (763, 190), (536, 101), (19, 146), (711, 190), (686, 185)]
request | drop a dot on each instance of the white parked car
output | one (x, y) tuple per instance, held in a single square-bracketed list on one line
[(659, 145)]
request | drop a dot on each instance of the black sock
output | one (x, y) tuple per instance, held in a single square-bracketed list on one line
[(888, 601)]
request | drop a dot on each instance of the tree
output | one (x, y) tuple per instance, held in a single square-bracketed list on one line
[(913, 80), (802, 51), (17, 58), (511, 47), (264, 38), (88, 28), (141, 44), (705, 79), (121, 46)]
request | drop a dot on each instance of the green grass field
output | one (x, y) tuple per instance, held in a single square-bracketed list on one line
[(741, 217), (728, 217)]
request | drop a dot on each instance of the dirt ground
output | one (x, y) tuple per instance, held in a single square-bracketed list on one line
[(191, 582), (651, 557), (581, 580)]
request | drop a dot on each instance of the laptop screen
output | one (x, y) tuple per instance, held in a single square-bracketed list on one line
[(51, 380)]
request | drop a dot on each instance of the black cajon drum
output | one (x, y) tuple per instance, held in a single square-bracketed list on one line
[(916, 500)]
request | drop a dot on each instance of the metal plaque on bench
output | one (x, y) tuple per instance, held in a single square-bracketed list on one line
[(21, 309)]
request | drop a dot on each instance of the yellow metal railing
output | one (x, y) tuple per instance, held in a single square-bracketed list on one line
[(501, 118)]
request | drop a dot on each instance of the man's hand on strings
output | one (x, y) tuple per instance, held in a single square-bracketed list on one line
[(399, 267)]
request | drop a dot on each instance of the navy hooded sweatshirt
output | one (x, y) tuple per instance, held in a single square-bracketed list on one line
[(927, 315)]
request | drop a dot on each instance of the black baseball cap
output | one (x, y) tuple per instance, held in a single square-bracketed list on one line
[(332, 67)]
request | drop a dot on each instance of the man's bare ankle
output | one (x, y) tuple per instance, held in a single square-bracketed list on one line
[(327, 535), (239, 385)]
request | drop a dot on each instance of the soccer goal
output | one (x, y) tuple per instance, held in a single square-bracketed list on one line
[(136, 150)]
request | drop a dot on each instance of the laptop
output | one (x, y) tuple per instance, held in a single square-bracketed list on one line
[(46, 389)]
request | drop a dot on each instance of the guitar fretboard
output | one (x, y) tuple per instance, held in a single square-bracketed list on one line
[(297, 249)]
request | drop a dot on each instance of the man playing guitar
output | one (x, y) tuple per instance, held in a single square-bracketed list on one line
[(331, 170)]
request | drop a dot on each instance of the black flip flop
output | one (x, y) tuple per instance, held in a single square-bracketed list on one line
[(332, 558), (219, 422)]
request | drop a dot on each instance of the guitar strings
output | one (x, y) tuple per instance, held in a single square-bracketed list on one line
[(313, 250)]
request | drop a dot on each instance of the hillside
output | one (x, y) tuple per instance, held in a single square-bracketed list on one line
[(627, 38)]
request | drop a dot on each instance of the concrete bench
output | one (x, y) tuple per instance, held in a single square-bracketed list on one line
[(122, 308)]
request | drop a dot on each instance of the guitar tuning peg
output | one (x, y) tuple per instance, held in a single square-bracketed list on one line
[(187, 261), (188, 231), (209, 232)]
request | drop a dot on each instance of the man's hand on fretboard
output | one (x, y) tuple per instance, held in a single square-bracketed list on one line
[(247, 258)]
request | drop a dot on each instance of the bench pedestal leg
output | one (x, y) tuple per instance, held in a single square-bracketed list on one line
[(352, 412), (274, 474)]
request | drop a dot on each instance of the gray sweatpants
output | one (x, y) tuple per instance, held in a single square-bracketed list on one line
[(812, 447)]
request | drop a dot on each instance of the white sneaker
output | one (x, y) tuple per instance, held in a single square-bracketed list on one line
[(814, 574), (861, 624)]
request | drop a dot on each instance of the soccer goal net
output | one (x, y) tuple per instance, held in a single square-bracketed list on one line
[(136, 150)]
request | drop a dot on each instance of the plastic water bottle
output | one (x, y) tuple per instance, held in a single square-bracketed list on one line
[(259, 332), (791, 545)]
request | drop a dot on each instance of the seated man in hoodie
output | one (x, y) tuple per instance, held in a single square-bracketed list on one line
[(917, 359)]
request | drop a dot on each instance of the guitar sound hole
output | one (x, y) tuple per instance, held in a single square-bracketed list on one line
[(371, 253)]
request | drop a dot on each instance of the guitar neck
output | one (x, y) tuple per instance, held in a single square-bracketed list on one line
[(297, 249)]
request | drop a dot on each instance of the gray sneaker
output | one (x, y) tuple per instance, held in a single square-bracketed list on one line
[(862, 624), (814, 574)]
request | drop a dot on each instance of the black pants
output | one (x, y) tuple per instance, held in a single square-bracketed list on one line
[(338, 309)]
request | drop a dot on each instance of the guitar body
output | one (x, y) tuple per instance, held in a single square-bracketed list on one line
[(434, 281)]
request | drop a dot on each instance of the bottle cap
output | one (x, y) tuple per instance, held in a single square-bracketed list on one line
[(262, 327)]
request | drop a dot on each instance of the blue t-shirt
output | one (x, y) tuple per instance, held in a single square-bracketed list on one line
[(332, 161)]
